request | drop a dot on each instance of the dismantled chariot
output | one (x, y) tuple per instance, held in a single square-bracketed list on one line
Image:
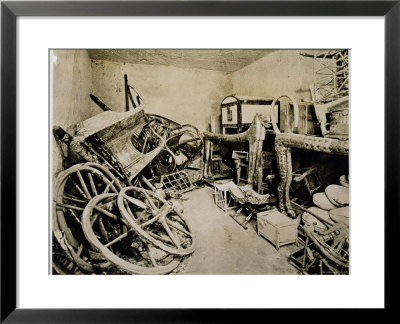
[(115, 206), (108, 218)]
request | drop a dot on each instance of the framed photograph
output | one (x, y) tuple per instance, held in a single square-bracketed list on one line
[(197, 160)]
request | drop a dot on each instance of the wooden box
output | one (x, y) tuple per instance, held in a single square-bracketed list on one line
[(277, 228)]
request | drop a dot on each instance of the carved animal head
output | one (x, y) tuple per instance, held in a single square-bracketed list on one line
[(263, 118)]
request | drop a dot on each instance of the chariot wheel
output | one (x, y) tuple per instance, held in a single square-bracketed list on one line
[(107, 231), (156, 220), (114, 180), (188, 127), (182, 148), (188, 141), (153, 134), (62, 264), (73, 190)]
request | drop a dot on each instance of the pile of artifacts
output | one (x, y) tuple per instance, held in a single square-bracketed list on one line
[(325, 230), (325, 236), (117, 206), (102, 227), (323, 213)]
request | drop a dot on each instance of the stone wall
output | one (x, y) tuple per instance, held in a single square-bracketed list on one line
[(281, 72), (71, 85), (187, 96)]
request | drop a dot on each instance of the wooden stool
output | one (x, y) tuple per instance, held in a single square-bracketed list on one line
[(222, 197)]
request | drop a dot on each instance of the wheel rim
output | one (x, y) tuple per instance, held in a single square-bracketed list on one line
[(128, 260), (70, 199), (106, 172), (61, 263), (183, 148), (158, 221)]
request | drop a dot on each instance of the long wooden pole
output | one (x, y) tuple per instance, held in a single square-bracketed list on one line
[(126, 92)]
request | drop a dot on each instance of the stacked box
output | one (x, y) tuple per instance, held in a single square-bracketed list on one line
[(277, 228)]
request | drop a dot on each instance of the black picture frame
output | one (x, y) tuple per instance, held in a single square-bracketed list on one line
[(11, 10)]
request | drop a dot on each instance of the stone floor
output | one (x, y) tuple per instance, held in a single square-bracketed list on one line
[(224, 247)]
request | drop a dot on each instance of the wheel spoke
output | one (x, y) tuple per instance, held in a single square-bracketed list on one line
[(69, 206), (75, 216), (136, 202), (83, 184), (174, 239), (79, 189), (106, 212), (157, 237), (110, 215), (92, 184), (115, 190), (73, 199), (110, 186), (152, 259), (103, 230), (177, 228), (80, 249), (129, 209), (119, 238), (93, 220), (151, 221), (150, 201)]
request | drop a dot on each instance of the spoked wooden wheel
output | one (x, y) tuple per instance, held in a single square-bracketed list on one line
[(183, 147), (73, 190), (61, 263), (86, 260), (152, 135), (187, 142), (110, 176), (107, 231), (333, 243), (158, 221)]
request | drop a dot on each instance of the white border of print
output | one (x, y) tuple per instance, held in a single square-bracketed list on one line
[(37, 289)]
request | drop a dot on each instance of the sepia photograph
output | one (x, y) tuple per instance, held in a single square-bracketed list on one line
[(151, 148), (199, 161)]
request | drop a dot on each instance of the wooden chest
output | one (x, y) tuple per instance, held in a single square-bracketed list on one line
[(277, 228)]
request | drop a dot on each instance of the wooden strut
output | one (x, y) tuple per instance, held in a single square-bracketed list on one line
[(247, 220), (237, 221), (101, 104), (126, 92), (128, 95)]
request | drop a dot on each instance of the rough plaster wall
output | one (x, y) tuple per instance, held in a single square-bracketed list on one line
[(187, 96), (281, 72), (227, 60), (72, 83)]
